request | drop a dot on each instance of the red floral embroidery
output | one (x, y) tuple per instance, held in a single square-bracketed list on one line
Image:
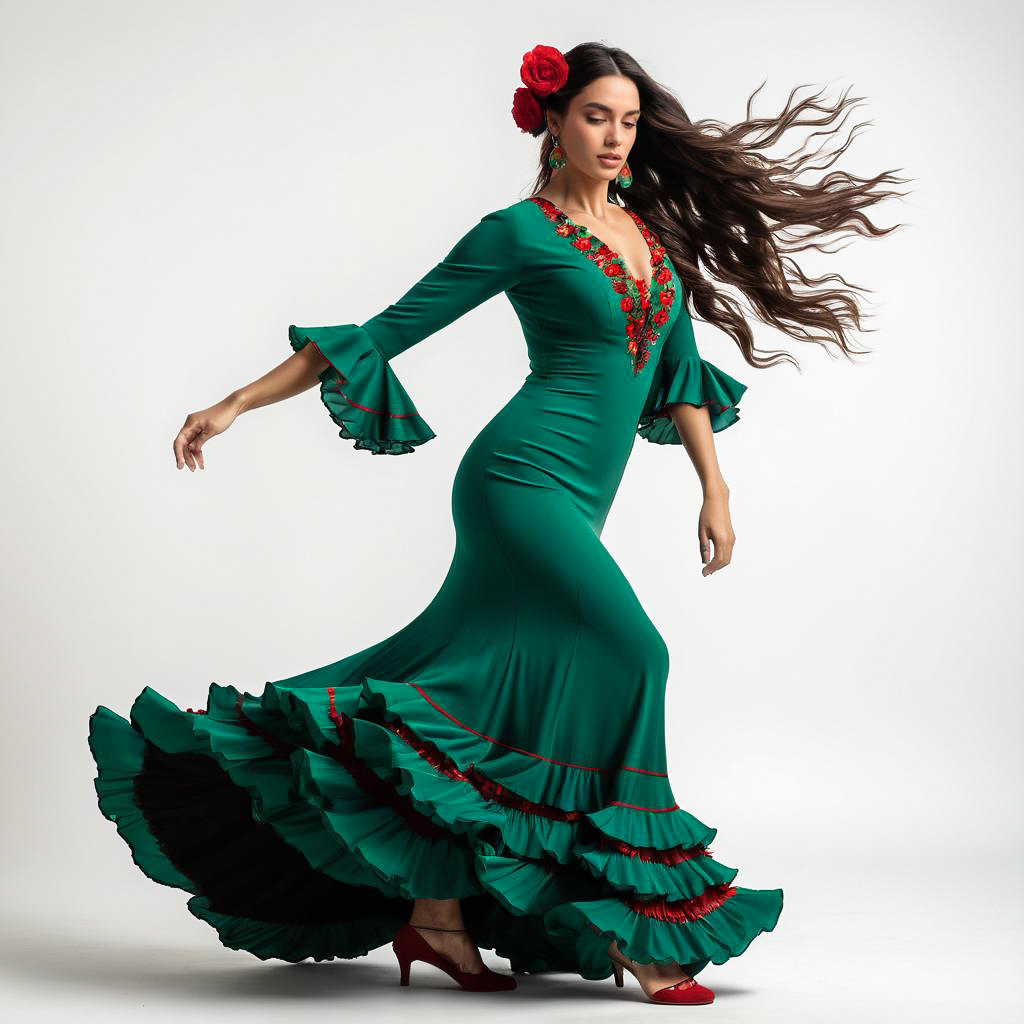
[(693, 909), (643, 326)]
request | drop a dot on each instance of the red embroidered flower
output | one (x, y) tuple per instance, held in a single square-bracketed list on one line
[(544, 70), (643, 327), (526, 111)]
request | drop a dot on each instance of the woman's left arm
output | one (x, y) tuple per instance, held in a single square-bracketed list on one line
[(714, 525), (690, 399)]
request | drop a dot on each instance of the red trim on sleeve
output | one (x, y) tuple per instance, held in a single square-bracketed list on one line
[(337, 387)]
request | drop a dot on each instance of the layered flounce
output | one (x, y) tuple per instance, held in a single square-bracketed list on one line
[(305, 822), (361, 392), (695, 381)]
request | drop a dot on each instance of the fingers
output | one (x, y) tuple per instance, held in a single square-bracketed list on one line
[(705, 544), (186, 451), (723, 555), (196, 447), (182, 455)]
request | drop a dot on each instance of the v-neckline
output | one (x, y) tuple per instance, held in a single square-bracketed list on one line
[(645, 282), (647, 306)]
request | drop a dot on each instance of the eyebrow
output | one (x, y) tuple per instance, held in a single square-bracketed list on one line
[(606, 109)]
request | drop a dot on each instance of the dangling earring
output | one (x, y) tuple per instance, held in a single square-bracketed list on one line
[(556, 158), (625, 176)]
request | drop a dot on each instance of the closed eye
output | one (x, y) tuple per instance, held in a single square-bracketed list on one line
[(600, 120)]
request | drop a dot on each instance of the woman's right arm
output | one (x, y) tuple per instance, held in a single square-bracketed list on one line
[(352, 361), (298, 373)]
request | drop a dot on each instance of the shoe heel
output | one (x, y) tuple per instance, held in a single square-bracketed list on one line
[(404, 963), (617, 971)]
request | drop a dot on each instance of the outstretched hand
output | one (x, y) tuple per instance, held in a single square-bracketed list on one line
[(715, 527), (199, 427)]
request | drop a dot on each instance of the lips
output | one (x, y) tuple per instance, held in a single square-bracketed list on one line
[(609, 158)]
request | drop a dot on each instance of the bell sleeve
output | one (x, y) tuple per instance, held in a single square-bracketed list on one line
[(359, 389), (681, 376)]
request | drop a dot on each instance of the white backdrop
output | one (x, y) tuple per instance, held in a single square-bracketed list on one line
[(182, 181)]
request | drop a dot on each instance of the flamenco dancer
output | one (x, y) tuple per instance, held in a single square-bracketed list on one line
[(494, 774)]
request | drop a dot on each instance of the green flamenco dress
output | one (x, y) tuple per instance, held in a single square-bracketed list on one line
[(507, 746)]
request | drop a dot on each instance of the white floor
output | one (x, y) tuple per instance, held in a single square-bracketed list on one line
[(861, 939)]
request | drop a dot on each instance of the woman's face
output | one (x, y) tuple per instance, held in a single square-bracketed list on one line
[(601, 120)]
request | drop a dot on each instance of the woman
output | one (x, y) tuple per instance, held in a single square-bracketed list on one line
[(494, 773)]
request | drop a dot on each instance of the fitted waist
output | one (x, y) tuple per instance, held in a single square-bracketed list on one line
[(554, 432)]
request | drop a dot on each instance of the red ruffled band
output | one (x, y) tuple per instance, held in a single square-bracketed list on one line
[(692, 909), (649, 853)]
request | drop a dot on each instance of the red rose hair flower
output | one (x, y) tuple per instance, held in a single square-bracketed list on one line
[(526, 111), (543, 72)]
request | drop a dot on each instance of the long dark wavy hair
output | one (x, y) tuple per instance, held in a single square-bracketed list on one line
[(728, 214)]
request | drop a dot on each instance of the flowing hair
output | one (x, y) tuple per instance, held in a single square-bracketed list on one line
[(728, 214)]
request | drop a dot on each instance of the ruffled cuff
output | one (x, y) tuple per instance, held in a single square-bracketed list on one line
[(696, 382), (361, 392)]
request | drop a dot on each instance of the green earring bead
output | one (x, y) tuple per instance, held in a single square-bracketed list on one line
[(625, 176)]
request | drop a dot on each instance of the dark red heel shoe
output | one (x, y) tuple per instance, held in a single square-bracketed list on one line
[(409, 945)]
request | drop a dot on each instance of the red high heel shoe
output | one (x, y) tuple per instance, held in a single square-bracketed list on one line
[(687, 992), (409, 945)]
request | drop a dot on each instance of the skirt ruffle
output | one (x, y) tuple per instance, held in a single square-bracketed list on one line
[(304, 822)]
